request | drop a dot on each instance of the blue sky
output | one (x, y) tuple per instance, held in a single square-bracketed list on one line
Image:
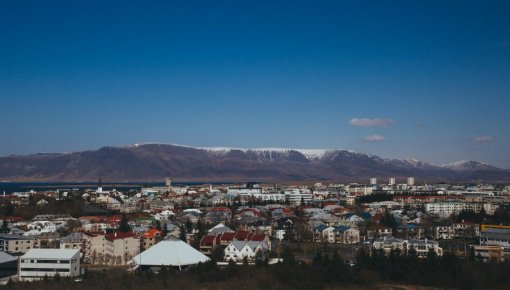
[(422, 79)]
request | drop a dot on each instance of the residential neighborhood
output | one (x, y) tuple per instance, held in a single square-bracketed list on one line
[(248, 224)]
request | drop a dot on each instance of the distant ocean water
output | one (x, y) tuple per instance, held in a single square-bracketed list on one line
[(10, 187)]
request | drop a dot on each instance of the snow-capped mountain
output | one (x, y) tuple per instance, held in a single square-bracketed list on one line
[(155, 161), (469, 165)]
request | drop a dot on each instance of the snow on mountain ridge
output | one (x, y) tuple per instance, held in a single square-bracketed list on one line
[(316, 154), (469, 165), (308, 153)]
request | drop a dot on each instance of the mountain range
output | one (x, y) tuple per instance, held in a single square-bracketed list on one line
[(151, 162)]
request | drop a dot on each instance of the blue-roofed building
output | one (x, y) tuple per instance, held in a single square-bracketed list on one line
[(346, 235), (411, 231), (336, 234)]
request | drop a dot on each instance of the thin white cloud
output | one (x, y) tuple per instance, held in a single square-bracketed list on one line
[(366, 122), (375, 138), (483, 139)]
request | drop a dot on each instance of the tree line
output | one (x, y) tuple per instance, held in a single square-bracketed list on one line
[(324, 272)]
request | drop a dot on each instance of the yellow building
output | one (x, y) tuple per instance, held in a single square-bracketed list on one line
[(484, 227)]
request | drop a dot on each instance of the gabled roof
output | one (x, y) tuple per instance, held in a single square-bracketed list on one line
[(72, 238), (228, 236), (341, 229), (241, 235), (152, 233), (219, 228), (170, 253), (239, 245), (220, 225), (366, 215), (225, 209), (321, 227), (258, 237), (207, 240)]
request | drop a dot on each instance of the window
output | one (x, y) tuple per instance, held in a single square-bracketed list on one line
[(44, 270), (47, 261)]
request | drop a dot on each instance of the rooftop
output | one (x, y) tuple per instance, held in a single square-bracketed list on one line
[(50, 254)]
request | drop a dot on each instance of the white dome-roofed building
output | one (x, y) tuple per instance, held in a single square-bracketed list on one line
[(169, 253)]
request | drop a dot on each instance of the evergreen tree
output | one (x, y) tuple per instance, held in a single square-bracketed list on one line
[(317, 259), (288, 256), (189, 226), (217, 254), (200, 232), (182, 233), (335, 259), (157, 225), (164, 231), (200, 229), (389, 220), (5, 226), (124, 224), (31, 200)]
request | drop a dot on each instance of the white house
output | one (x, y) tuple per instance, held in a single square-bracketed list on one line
[(164, 215), (390, 243), (324, 233), (423, 247), (346, 235), (111, 203), (337, 234), (39, 263), (444, 232), (238, 250), (38, 227)]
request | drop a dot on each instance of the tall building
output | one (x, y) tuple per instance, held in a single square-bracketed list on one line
[(391, 181), (373, 181), (168, 182), (410, 181), (99, 186)]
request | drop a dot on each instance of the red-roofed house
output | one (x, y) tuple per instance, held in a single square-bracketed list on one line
[(150, 238), (111, 249), (241, 235), (226, 209), (209, 242), (226, 238)]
